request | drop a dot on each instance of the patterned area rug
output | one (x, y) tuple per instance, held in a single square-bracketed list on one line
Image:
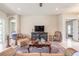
[(55, 48)]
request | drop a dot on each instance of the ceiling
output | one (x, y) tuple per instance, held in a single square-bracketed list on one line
[(35, 9)]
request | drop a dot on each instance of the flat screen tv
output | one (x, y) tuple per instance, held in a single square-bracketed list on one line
[(39, 28)]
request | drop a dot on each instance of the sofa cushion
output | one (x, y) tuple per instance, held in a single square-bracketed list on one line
[(27, 54), (57, 54), (23, 42), (45, 54), (51, 54), (54, 50)]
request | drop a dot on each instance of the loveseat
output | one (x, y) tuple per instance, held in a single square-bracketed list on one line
[(11, 51)]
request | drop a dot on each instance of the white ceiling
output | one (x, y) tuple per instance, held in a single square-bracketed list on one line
[(34, 9)]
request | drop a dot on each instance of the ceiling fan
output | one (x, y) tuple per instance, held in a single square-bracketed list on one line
[(41, 4)]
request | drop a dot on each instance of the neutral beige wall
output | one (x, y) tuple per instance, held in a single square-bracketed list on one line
[(28, 23)]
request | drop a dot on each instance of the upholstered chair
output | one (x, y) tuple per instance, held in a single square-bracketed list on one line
[(57, 36)]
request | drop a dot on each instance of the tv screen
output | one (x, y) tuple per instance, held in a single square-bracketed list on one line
[(39, 28)]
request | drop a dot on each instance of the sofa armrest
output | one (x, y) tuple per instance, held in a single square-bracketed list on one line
[(69, 52), (8, 52)]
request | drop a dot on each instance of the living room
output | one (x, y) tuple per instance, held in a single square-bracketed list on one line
[(52, 27)]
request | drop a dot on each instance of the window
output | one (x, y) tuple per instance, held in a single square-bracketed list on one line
[(12, 25), (1, 32), (69, 29)]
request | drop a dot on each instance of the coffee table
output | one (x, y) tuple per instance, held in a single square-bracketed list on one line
[(40, 46)]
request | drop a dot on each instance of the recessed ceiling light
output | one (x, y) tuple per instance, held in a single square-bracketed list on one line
[(19, 9), (56, 9)]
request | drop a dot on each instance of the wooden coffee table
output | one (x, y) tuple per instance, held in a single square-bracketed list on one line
[(40, 46)]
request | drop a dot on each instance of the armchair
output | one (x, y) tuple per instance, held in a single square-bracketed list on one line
[(57, 36)]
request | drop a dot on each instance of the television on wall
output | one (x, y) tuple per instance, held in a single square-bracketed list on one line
[(39, 28)]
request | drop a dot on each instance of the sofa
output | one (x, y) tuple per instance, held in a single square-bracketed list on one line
[(11, 51)]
